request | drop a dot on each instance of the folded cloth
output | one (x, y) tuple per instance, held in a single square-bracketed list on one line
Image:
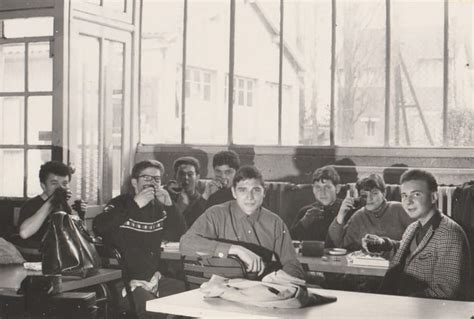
[(276, 290), (9, 254)]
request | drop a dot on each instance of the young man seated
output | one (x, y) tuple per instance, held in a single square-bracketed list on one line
[(186, 197), (312, 221), (218, 190), (432, 260), (135, 224), (377, 216), (228, 228), (34, 214)]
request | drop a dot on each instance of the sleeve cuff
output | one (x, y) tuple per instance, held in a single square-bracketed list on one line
[(222, 250)]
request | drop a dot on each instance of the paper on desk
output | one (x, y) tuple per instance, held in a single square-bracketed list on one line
[(170, 245), (33, 266)]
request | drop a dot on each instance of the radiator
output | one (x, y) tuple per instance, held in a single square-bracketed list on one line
[(445, 199)]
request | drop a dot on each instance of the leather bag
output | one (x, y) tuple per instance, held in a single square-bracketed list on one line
[(67, 248)]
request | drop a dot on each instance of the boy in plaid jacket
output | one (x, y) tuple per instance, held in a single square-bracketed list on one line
[(433, 258)]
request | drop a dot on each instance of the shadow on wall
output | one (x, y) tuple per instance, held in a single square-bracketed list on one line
[(391, 175), (306, 161), (246, 154), (346, 169)]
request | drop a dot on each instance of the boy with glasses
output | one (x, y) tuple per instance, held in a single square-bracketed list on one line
[(242, 227), (136, 224)]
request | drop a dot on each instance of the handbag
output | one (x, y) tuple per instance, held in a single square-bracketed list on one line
[(67, 248)]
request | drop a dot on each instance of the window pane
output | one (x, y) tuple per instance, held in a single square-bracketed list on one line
[(307, 71), (40, 64), (461, 74), (360, 72), (35, 159), (257, 26), (40, 115), (30, 27), (208, 53), (116, 5), (11, 172), (417, 73), (12, 67), (161, 57), (86, 117), (114, 83), (12, 119)]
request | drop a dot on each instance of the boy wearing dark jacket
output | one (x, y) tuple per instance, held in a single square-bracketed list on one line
[(136, 224)]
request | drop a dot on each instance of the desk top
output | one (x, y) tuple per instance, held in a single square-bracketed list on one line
[(348, 304), (11, 277), (334, 264)]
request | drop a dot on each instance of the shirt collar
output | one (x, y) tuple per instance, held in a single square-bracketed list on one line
[(240, 214)]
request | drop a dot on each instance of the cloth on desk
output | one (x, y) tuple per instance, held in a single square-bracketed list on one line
[(276, 290), (9, 254)]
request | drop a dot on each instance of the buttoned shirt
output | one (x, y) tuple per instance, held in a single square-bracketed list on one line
[(229, 223)]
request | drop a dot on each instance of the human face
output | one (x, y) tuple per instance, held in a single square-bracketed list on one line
[(373, 198), (324, 191), (417, 200), (186, 177), (149, 176), (54, 181), (249, 194), (225, 175)]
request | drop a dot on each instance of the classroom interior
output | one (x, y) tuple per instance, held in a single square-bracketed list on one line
[(290, 86)]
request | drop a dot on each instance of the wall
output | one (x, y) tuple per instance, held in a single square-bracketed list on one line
[(295, 164)]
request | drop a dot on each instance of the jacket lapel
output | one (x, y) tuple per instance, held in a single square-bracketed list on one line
[(423, 243)]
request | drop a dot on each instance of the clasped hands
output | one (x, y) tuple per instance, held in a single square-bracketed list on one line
[(150, 193)]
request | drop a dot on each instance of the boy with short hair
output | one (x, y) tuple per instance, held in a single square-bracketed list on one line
[(136, 224), (432, 260), (312, 221), (377, 215), (218, 190), (228, 228), (34, 214)]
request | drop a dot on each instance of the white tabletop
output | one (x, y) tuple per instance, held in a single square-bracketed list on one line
[(348, 305)]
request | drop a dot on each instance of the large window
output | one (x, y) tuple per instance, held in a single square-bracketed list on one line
[(26, 103), (309, 73)]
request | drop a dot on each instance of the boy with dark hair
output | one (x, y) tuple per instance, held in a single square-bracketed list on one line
[(34, 214), (136, 224), (218, 190), (312, 221), (376, 215), (186, 197), (432, 260), (236, 226)]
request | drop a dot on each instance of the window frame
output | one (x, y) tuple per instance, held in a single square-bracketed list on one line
[(232, 85)]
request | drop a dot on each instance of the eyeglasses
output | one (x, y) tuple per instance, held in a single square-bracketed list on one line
[(149, 178)]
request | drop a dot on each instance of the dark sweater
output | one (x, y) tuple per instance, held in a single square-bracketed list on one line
[(221, 196), (138, 232), (318, 229)]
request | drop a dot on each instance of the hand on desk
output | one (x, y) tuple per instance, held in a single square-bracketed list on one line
[(253, 261), (151, 286)]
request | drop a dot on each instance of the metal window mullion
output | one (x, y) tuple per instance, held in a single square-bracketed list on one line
[(101, 123), (333, 73), (25, 40), (230, 117), (25, 128), (183, 73), (388, 60), (280, 75), (26, 94), (445, 72)]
